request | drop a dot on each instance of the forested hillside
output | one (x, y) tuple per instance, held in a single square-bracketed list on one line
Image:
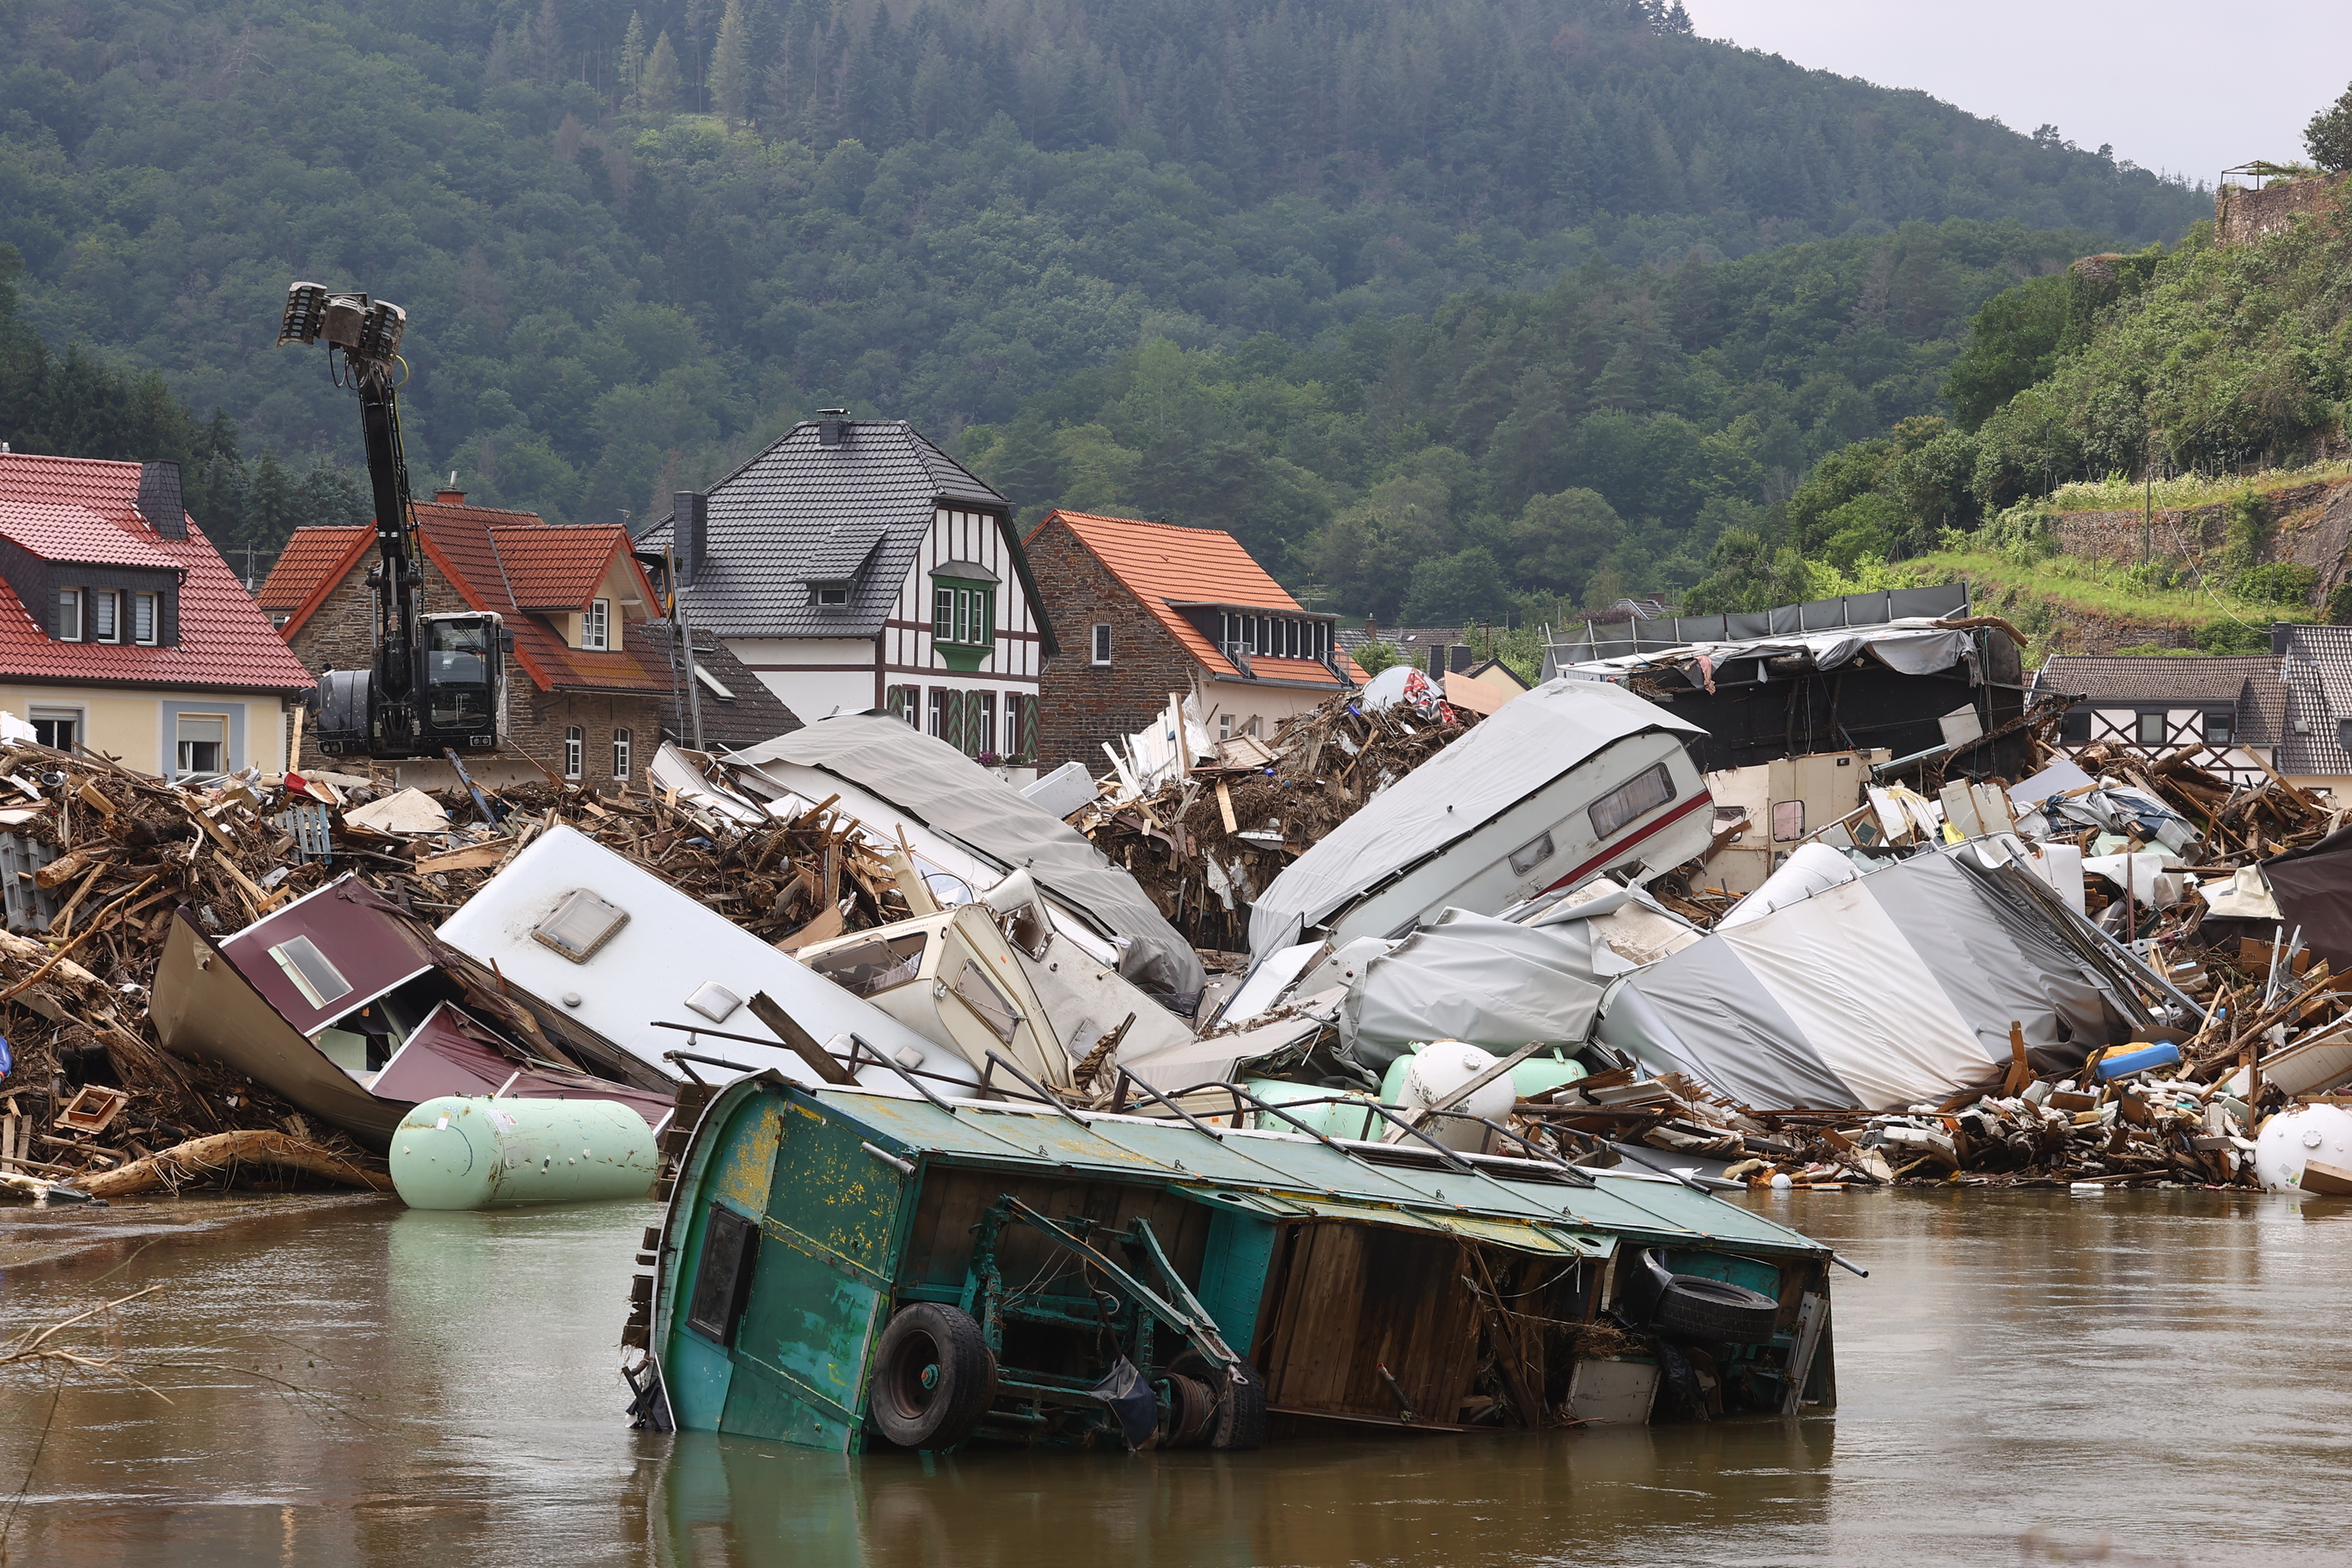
[(2223, 362), (1508, 450), (636, 242)]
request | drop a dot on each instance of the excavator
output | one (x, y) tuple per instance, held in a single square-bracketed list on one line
[(436, 683)]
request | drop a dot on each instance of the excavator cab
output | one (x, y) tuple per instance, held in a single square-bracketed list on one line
[(464, 679)]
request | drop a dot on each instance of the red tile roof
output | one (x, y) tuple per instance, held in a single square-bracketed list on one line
[(225, 641), (76, 534), (558, 568), (1163, 564), (514, 563), (313, 562)]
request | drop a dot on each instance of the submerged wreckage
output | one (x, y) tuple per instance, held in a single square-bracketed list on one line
[(963, 1137)]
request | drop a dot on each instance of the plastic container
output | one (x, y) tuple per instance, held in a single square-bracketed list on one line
[(2137, 1056), (463, 1152)]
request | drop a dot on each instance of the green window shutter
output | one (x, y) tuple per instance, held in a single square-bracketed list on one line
[(1028, 729)]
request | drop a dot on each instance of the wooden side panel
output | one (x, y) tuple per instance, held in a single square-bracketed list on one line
[(1354, 1297)]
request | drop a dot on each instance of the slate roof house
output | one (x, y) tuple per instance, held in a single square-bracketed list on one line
[(853, 566), (2315, 667), (588, 703), (738, 708), (122, 629), (1166, 610), (2232, 709)]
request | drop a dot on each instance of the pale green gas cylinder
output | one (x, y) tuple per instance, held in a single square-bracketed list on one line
[(472, 1152)]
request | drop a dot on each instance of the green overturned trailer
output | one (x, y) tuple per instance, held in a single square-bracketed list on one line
[(856, 1270)]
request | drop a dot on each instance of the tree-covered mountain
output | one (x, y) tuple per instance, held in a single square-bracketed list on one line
[(634, 242), (1514, 451)]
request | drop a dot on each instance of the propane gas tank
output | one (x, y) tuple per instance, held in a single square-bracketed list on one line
[(472, 1152), (2292, 1139), (1439, 1069)]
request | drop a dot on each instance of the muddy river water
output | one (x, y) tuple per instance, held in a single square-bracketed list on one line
[(2150, 1377)]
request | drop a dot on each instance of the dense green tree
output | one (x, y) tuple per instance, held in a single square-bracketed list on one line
[(2329, 137)]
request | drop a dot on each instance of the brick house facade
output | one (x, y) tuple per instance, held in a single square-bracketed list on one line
[(580, 712), (1150, 610)]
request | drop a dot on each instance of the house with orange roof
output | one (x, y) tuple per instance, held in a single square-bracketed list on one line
[(121, 628), (1155, 609), (588, 703)]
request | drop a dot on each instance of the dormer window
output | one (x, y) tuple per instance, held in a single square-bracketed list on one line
[(832, 594), (142, 619), (105, 625), (596, 627), (69, 615)]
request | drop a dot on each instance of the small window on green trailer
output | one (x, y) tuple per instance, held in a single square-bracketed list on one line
[(722, 1283)]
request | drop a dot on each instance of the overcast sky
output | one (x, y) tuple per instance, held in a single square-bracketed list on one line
[(2186, 87)]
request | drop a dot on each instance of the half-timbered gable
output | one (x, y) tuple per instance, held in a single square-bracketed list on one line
[(852, 566)]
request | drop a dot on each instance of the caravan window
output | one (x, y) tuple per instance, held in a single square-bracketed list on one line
[(1644, 792), (980, 994), (870, 968)]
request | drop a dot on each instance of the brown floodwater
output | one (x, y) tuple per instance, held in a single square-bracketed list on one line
[(2035, 1377)]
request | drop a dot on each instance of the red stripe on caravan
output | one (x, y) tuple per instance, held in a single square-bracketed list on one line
[(1702, 798)]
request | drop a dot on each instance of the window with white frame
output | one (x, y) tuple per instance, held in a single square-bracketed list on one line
[(621, 742), (104, 624), (938, 726), (201, 744), (143, 619), (2151, 728), (1012, 747), (574, 748), (980, 727), (1102, 642), (69, 615), (596, 625), (58, 726)]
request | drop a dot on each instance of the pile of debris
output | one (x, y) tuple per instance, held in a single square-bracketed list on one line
[(1205, 825), (97, 860)]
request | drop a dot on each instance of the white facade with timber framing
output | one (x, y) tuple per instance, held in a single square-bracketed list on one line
[(854, 566), (2228, 712)]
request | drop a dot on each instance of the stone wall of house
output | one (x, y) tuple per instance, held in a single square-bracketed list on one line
[(2240, 215), (342, 636), (1081, 705)]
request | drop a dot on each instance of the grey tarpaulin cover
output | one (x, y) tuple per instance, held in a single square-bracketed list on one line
[(1475, 978), (1538, 736), (1893, 989), (947, 792)]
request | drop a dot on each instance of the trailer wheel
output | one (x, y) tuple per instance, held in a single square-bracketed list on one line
[(1692, 1308), (1190, 1408), (933, 1377), (1240, 1421)]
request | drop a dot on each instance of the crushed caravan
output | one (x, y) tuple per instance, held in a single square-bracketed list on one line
[(1573, 778), (854, 1270), (887, 775), (351, 1009)]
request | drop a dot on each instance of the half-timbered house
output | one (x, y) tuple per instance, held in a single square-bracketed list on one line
[(854, 565)]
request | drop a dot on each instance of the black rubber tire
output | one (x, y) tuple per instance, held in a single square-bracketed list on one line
[(1190, 1408), (1715, 1311), (1239, 1424), (933, 1377)]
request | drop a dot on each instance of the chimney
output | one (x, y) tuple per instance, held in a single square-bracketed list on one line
[(159, 498), (449, 494), (1460, 657), (832, 426), (1437, 661), (2282, 637), (689, 532)]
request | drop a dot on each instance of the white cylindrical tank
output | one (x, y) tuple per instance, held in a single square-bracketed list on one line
[(472, 1152), (2321, 1132), (1439, 1069)]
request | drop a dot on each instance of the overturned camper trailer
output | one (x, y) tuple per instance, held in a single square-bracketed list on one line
[(1909, 671), (351, 1009), (849, 1269), (1572, 778)]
